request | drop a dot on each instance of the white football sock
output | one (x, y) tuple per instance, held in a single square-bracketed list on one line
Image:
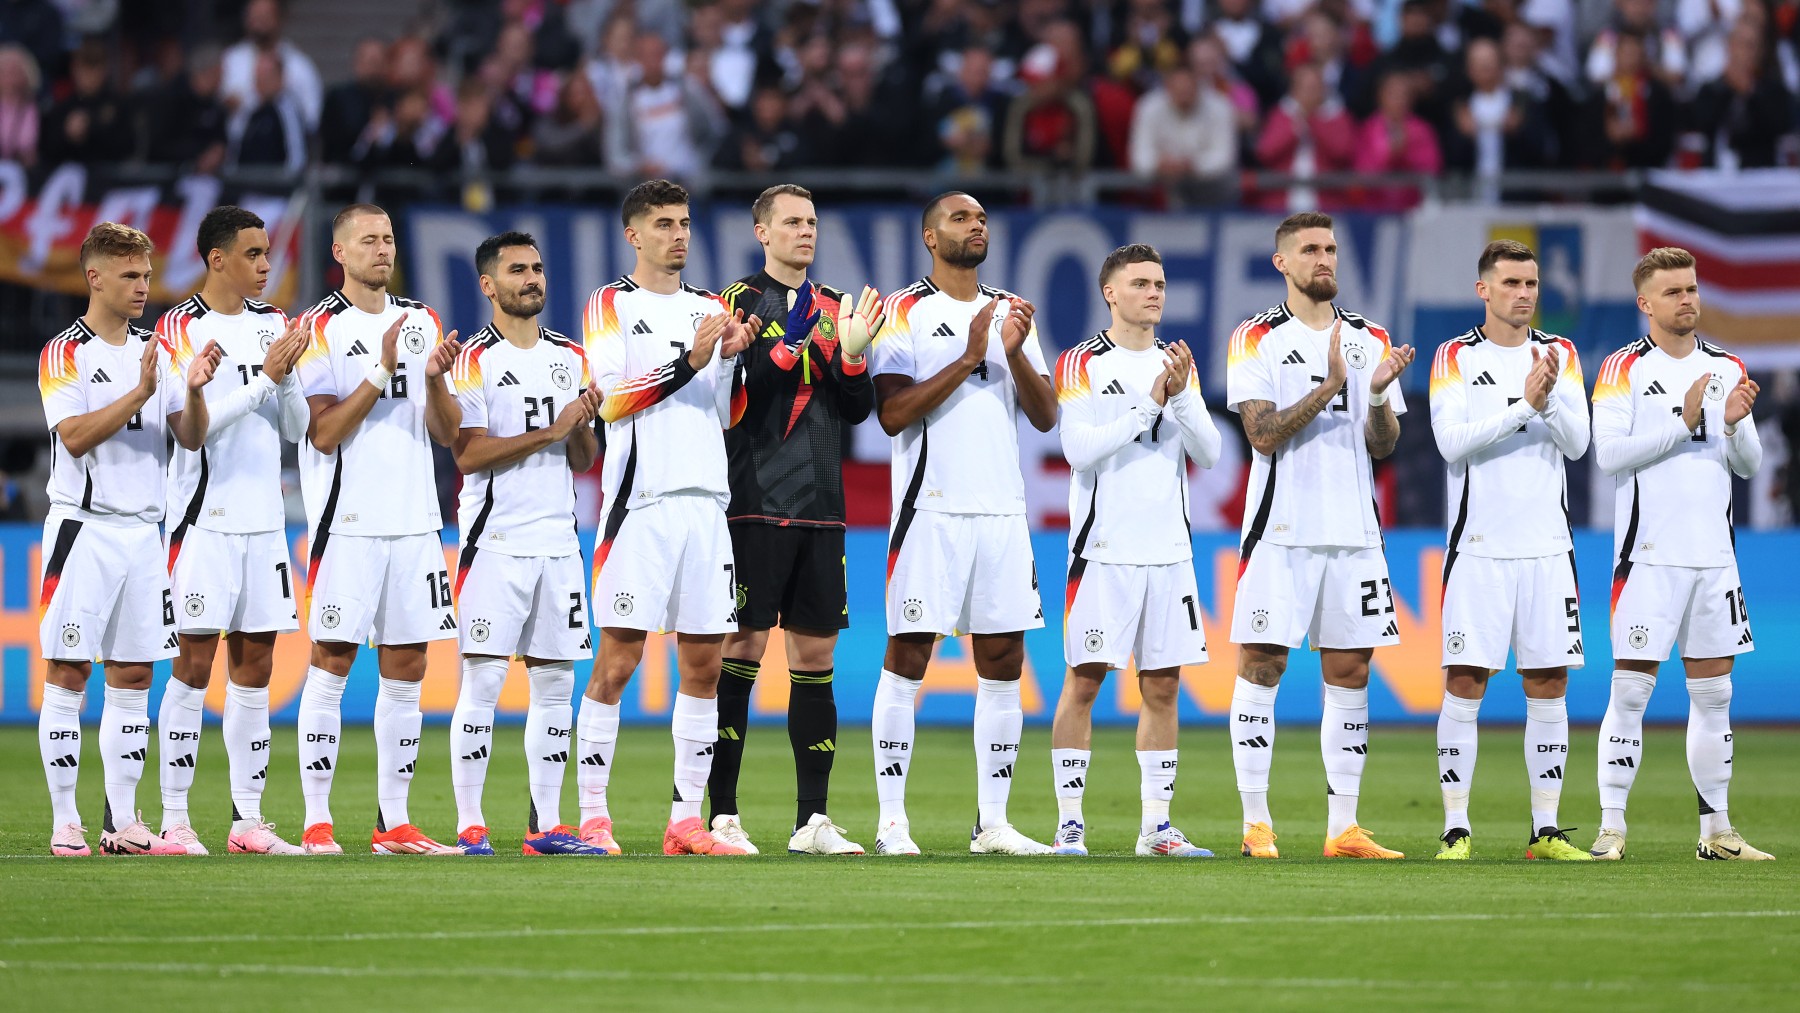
[(59, 743), (1709, 749), (891, 726), (178, 731), (1344, 741), (124, 743), (999, 722), (319, 725), (1546, 757), (1069, 769), (246, 731), (695, 727), (596, 737), (547, 728), (1622, 744), (1156, 786), (472, 735), (397, 724), (1253, 746), (1457, 740)]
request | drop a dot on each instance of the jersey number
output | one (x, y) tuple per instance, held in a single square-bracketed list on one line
[(1373, 589), (1699, 430), (1155, 431), (437, 589), (136, 422), (249, 372), (981, 371), (1509, 403), (536, 405), (396, 387), (1341, 403)]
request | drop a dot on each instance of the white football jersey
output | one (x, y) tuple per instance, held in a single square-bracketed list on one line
[(1507, 489), (122, 479), (381, 480), (526, 508), (1318, 489), (233, 483), (963, 456), (1672, 501), (1128, 456), (665, 421)]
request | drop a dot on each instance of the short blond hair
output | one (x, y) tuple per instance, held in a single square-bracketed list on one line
[(110, 239), (1663, 258)]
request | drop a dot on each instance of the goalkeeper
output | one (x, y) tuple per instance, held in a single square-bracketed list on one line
[(806, 381)]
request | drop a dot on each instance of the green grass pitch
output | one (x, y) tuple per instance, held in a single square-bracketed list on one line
[(1659, 930)]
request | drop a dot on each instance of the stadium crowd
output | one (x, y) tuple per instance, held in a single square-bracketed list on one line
[(1187, 92)]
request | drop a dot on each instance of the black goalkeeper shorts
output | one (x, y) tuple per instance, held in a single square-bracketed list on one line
[(789, 577)]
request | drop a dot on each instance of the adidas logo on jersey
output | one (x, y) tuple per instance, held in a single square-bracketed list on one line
[(826, 746), (170, 644), (1114, 387), (1745, 639), (1553, 774), (1392, 630), (507, 379), (1077, 783), (184, 761), (892, 770), (1254, 742), (479, 754), (1486, 379), (1294, 359), (67, 760), (1655, 387), (641, 327), (321, 764), (99, 377), (1450, 777), (358, 348), (261, 775), (1005, 771), (708, 751), (943, 331)]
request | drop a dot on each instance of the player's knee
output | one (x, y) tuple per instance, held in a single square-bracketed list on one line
[(1631, 690), (1548, 684), (1160, 691), (551, 681), (1000, 657), (333, 657), (908, 654), (1261, 665), (482, 678), (127, 675), (1082, 687)]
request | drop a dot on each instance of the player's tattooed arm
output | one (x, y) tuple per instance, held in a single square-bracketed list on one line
[(1382, 431), (1268, 429)]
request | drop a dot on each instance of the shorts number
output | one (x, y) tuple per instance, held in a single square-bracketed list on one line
[(437, 587), (1373, 589), (1193, 615), (576, 619), (396, 387), (1341, 403), (731, 589), (535, 405), (287, 590), (168, 607), (1736, 608), (1572, 608)]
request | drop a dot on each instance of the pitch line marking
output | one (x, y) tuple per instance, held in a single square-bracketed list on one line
[(974, 926)]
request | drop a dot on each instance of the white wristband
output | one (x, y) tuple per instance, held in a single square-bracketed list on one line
[(1377, 400), (379, 376)]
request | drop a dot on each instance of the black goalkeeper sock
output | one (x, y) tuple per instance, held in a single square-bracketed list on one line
[(736, 679), (812, 731)]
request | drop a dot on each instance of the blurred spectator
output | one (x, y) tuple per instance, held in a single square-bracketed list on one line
[(411, 67), (1420, 55), (1206, 56), (1184, 135), (262, 34), (1322, 41), (36, 25), (405, 137), (727, 32), (1395, 139), (968, 114), (19, 84), (572, 133), (1254, 46), (350, 105), (1051, 125), (1494, 128), (1740, 117), (667, 125), (475, 143), (1307, 133), (520, 90), (268, 131), (766, 141), (845, 123), (1150, 45), (1553, 21), (1630, 119), (1529, 70), (91, 125), (590, 19), (184, 120), (1665, 51), (613, 69)]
